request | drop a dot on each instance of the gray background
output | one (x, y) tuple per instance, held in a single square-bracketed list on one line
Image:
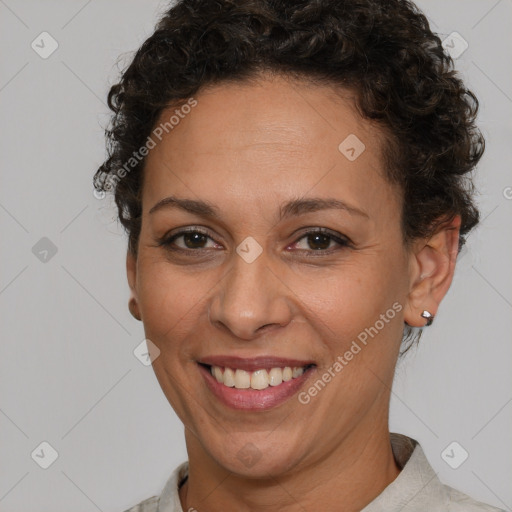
[(68, 372)]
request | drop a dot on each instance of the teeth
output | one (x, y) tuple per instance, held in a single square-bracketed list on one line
[(287, 374), (297, 371), (275, 377), (217, 373), (229, 378), (259, 379), (242, 379)]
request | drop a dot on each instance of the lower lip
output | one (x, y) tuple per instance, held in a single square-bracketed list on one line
[(254, 399)]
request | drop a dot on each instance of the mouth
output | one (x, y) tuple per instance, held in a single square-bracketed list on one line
[(259, 379), (254, 384)]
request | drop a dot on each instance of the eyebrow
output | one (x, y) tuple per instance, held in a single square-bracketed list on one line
[(292, 208)]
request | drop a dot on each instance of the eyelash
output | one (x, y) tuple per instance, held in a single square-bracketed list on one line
[(343, 242)]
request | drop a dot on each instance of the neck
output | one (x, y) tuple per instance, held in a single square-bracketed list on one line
[(349, 478)]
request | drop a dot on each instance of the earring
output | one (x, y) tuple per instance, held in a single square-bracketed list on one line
[(428, 316)]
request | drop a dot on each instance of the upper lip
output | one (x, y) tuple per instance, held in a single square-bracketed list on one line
[(250, 364)]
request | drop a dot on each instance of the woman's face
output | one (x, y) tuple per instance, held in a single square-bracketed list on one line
[(258, 287)]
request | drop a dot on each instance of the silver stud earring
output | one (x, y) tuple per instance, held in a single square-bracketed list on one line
[(428, 316)]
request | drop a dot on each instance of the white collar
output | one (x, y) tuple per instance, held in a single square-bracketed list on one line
[(417, 488)]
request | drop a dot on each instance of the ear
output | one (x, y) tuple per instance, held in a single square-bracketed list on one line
[(432, 266), (131, 273)]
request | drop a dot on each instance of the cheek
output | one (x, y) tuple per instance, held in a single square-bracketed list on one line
[(357, 315), (170, 300), (352, 298)]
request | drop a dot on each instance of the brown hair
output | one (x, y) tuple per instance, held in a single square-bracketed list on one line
[(383, 50)]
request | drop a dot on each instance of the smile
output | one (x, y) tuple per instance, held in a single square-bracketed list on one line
[(254, 384), (259, 379)]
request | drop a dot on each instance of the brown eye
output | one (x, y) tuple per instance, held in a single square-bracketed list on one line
[(320, 240), (194, 240), (188, 240)]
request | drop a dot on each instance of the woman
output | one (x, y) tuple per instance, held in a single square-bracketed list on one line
[(292, 178)]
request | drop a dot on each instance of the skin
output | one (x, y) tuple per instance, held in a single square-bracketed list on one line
[(247, 148)]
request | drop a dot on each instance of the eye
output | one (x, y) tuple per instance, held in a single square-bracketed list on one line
[(192, 239), (320, 240)]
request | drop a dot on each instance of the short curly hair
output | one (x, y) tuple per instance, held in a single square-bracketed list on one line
[(383, 50)]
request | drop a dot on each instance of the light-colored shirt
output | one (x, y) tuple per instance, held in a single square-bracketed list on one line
[(416, 489)]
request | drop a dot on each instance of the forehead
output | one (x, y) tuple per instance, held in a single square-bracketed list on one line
[(271, 137)]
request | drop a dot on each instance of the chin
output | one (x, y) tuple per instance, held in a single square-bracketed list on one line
[(253, 456)]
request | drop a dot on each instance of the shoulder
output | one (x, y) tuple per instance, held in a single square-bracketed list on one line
[(148, 505), (457, 501), (418, 488), (168, 500)]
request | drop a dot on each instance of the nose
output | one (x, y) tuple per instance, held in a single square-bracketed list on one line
[(250, 299)]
